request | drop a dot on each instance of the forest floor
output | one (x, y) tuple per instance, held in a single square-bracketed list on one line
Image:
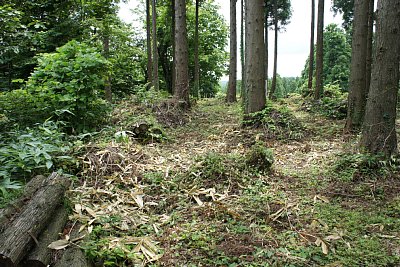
[(192, 199)]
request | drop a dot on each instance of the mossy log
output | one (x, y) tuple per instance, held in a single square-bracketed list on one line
[(22, 232), (40, 256)]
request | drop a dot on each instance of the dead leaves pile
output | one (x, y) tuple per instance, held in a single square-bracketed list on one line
[(112, 198)]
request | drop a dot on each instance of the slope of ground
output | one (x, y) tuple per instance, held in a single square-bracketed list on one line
[(192, 201)]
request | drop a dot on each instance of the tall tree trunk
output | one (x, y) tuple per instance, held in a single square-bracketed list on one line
[(148, 42), (196, 53), (273, 84), (311, 63), (266, 50), (156, 82), (231, 92), (370, 43), (319, 64), (181, 54), (173, 46), (379, 128), (106, 50), (255, 54), (242, 54), (358, 91)]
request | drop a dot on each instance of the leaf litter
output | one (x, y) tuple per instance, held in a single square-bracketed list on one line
[(116, 187)]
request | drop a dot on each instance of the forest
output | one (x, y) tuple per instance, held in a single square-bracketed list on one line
[(123, 145)]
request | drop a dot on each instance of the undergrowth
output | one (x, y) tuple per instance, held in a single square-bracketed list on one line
[(277, 122)]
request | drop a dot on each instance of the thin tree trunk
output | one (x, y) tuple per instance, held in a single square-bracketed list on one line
[(358, 92), (242, 54), (379, 128), (148, 42), (273, 84), (370, 43), (255, 55), (311, 63), (266, 50), (181, 54), (156, 83), (320, 52), (196, 53), (173, 47), (231, 92)]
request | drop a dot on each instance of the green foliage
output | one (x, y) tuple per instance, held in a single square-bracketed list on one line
[(278, 122), (285, 85), (36, 27), (354, 167), (66, 86), (337, 56), (32, 151), (346, 9), (213, 33), (333, 103), (260, 158)]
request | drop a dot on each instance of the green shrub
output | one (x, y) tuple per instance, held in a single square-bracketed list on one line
[(32, 151), (67, 85), (260, 158), (333, 103), (278, 122)]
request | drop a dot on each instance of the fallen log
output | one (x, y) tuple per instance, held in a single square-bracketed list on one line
[(19, 236), (40, 256), (73, 255), (7, 213)]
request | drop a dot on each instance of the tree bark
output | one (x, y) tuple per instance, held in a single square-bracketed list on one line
[(181, 55), (40, 256), (266, 50), (379, 128), (18, 238), (13, 208), (173, 47), (196, 53), (148, 42), (311, 62), (231, 92), (255, 56), (273, 84), (358, 92), (242, 54), (156, 82), (370, 43), (319, 64)]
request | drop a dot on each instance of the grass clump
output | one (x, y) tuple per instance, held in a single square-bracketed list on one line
[(260, 158), (333, 103)]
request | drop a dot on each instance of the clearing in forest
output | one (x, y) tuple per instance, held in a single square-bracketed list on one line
[(197, 199)]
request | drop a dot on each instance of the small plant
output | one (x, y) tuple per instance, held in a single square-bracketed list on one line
[(260, 157), (34, 150), (351, 167)]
